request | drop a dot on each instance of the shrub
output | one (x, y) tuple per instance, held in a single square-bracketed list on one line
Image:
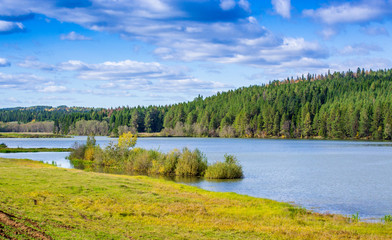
[(191, 163), (3, 145), (127, 140), (387, 219), (229, 169), (89, 154), (171, 160), (142, 163), (119, 157), (77, 151), (164, 164), (91, 141)]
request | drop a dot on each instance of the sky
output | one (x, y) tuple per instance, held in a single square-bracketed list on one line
[(110, 53)]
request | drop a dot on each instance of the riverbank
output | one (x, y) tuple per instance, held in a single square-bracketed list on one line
[(19, 150), (31, 135), (48, 202)]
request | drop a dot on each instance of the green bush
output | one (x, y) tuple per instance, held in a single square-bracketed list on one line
[(387, 219), (171, 161), (191, 163), (229, 169), (3, 145)]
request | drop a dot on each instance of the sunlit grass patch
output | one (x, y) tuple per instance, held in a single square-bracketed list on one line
[(73, 204)]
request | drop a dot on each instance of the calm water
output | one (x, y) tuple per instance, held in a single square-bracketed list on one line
[(327, 176)]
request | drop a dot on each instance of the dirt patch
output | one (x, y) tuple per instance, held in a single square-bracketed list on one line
[(19, 228)]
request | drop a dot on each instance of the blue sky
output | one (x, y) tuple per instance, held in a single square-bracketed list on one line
[(108, 53)]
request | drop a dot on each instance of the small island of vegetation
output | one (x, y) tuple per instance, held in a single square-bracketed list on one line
[(125, 157)]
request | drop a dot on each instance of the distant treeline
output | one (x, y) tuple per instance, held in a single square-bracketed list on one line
[(339, 105)]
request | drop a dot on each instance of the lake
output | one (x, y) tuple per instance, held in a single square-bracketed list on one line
[(343, 177)]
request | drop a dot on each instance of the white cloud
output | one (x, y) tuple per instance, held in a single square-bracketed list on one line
[(32, 62), (282, 7), (10, 27), (127, 75), (29, 82), (362, 62), (359, 49), (180, 30), (20, 81), (329, 32), (350, 12), (4, 62), (73, 36), (244, 4), (227, 4), (53, 89)]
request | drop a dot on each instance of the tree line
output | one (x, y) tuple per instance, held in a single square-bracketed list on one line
[(335, 105)]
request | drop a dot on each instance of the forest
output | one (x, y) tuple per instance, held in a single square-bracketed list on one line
[(339, 105)]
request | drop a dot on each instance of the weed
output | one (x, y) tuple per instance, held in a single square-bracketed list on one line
[(355, 217)]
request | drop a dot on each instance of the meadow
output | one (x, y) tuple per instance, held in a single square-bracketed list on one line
[(45, 202)]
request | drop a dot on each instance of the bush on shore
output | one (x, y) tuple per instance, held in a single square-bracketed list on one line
[(229, 169), (125, 156)]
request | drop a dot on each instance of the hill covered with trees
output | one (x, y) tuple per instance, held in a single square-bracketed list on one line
[(339, 105)]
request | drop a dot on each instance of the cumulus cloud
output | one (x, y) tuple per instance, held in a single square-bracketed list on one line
[(4, 62), (73, 36), (282, 7), (10, 27), (351, 12), (227, 4)]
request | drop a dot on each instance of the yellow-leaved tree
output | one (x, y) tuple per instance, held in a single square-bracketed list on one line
[(127, 140)]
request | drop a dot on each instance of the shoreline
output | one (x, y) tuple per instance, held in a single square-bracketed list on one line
[(160, 135), (27, 150), (116, 172)]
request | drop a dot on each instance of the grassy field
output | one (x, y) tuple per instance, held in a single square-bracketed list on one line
[(40, 201), (31, 135)]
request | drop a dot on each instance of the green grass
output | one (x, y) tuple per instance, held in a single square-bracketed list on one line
[(74, 204), (16, 150)]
